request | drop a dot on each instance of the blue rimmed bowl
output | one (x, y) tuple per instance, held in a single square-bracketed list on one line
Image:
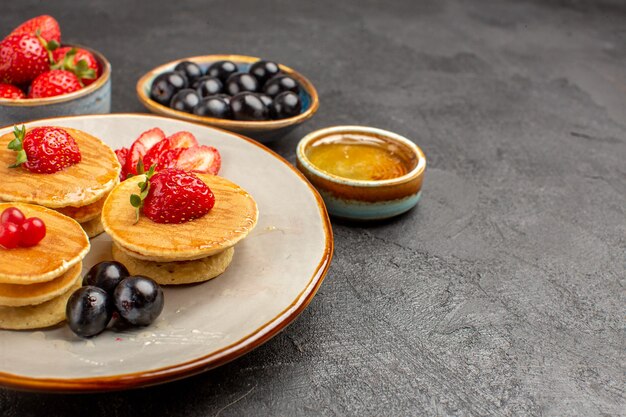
[(92, 99), (365, 200), (263, 131)]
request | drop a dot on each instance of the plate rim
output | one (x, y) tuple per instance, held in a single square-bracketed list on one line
[(214, 359)]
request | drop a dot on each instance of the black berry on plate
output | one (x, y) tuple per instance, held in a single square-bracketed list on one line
[(286, 104), (139, 300), (222, 69), (280, 83), (264, 70), (213, 106), (248, 106), (240, 82), (208, 86), (165, 85), (106, 275), (185, 100), (88, 311), (191, 70)]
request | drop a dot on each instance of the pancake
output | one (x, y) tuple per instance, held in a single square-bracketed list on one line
[(64, 245), (77, 185), (176, 273), (85, 213), (234, 215), (16, 295), (93, 227), (38, 316)]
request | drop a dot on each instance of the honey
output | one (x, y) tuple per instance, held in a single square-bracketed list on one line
[(358, 156)]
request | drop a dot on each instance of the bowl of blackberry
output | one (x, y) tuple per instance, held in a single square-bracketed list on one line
[(248, 95)]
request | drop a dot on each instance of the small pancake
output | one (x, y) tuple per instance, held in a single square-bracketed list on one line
[(77, 185), (36, 317), (93, 227), (16, 295), (234, 215), (86, 213), (64, 245), (176, 273)]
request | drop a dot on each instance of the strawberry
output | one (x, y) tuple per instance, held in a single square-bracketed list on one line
[(178, 140), (173, 196), (169, 158), (122, 155), (10, 91), (54, 83), (44, 150), (22, 58), (203, 158), (46, 26), (141, 146), (182, 140), (77, 60)]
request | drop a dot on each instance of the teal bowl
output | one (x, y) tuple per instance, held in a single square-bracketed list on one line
[(366, 200)]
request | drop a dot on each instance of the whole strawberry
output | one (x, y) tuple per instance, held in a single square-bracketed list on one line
[(46, 26), (54, 83), (22, 58), (173, 196), (77, 60), (10, 91), (44, 150)]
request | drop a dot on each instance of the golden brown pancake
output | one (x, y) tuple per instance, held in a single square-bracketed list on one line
[(93, 227), (77, 185), (234, 215), (35, 317), (64, 245), (176, 273), (85, 213), (16, 295)]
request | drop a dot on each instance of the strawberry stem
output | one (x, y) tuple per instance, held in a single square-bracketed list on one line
[(17, 145), (136, 200), (80, 69)]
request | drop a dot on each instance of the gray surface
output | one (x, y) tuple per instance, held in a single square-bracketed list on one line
[(502, 294)]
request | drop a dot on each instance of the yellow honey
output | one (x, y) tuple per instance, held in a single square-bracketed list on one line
[(358, 157)]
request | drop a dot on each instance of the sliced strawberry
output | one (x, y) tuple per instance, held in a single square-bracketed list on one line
[(205, 159), (141, 146), (154, 154), (122, 156), (169, 158), (182, 140)]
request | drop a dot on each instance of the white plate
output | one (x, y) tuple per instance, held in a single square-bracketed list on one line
[(275, 273)]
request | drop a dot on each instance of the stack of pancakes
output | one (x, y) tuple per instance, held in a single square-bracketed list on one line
[(36, 282), (77, 191), (183, 253)]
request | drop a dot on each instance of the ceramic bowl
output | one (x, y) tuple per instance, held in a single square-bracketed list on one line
[(366, 199), (93, 99), (263, 131)]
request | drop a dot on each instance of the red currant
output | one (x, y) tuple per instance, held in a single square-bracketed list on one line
[(9, 235), (32, 231), (12, 215)]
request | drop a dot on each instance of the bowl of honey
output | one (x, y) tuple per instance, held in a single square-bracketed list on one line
[(363, 173)]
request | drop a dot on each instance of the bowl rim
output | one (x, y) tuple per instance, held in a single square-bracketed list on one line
[(304, 161), (102, 79), (155, 107)]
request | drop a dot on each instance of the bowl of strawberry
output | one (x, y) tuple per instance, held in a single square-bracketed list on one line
[(42, 77), (248, 95)]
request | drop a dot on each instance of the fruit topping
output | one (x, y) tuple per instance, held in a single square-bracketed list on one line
[(213, 106), (248, 106), (22, 58), (280, 83), (17, 230), (182, 139), (106, 275), (54, 83), (222, 70), (185, 100), (264, 70), (9, 235), (208, 86), (89, 310), (44, 150), (77, 60), (46, 26), (122, 155), (139, 300), (10, 91), (32, 231), (172, 196), (140, 148), (166, 85), (191, 70), (12, 215), (240, 82), (202, 159), (286, 104)]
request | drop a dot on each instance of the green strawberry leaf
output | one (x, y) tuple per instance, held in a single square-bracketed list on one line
[(136, 200), (17, 145)]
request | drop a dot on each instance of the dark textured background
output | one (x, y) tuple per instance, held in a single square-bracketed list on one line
[(502, 294)]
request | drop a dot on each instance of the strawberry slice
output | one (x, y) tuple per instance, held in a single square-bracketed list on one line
[(154, 154), (141, 146), (205, 159), (122, 155), (169, 158), (182, 140)]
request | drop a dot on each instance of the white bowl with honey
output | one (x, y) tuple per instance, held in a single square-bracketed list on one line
[(363, 173)]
